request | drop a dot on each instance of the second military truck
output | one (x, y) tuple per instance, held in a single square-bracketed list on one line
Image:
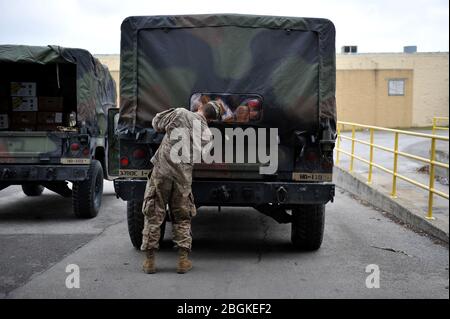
[(54, 103)]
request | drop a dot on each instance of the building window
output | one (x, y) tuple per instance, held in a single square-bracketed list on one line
[(396, 87)]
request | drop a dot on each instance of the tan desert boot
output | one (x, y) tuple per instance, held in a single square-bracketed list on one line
[(184, 264), (149, 262)]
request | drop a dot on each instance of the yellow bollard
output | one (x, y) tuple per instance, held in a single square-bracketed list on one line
[(353, 149), (394, 176), (369, 179), (431, 185)]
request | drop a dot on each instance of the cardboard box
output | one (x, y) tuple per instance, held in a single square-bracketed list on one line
[(24, 118), (51, 103), (4, 121), (5, 102), (50, 118), (23, 89), (242, 114), (24, 104), (47, 127)]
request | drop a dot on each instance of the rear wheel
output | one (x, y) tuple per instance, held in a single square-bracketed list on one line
[(32, 189), (308, 223), (87, 194), (135, 220)]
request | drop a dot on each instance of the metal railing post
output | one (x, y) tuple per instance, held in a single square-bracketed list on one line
[(369, 178), (431, 184), (352, 158), (338, 143), (433, 130), (394, 175)]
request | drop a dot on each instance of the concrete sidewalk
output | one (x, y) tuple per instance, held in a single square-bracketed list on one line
[(411, 203)]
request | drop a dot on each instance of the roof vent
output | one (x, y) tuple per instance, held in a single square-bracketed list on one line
[(410, 49), (347, 49)]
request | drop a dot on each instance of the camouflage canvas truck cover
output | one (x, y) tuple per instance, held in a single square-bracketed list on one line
[(271, 73), (54, 104)]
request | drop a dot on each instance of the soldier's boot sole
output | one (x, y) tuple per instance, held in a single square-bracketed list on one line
[(184, 266), (149, 269)]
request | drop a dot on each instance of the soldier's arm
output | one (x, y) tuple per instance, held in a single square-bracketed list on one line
[(162, 120), (206, 136)]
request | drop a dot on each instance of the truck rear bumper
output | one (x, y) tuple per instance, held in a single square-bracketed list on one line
[(18, 174), (237, 193)]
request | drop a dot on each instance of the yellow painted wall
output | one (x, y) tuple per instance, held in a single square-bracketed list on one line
[(361, 87), (430, 89), (362, 97)]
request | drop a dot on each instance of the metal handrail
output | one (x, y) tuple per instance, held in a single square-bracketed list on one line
[(438, 119), (390, 150), (394, 172)]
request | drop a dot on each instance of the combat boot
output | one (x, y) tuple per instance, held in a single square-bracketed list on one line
[(184, 264), (149, 262)]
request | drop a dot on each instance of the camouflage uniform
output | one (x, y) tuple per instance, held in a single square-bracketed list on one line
[(170, 183)]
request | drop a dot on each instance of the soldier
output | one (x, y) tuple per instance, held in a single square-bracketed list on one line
[(170, 183)]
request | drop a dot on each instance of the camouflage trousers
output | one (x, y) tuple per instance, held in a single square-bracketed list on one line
[(160, 192)]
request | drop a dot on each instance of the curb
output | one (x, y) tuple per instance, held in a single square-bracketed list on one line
[(399, 208)]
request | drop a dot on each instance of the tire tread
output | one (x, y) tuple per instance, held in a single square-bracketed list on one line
[(308, 222), (83, 193)]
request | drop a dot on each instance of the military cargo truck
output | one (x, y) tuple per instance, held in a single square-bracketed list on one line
[(272, 73), (54, 103)]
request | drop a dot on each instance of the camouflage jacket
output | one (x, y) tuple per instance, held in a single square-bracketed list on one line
[(186, 135)]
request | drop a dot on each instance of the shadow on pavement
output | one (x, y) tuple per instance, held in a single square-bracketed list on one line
[(235, 230), (47, 206)]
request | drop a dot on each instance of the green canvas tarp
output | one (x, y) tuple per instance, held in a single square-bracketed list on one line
[(95, 88), (288, 61)]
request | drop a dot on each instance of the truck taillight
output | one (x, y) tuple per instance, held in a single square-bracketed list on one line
[(74, 147), (134, 155), (124, 162)]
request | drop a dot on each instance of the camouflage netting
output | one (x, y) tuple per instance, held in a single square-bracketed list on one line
[(95, 87), (290, 62)]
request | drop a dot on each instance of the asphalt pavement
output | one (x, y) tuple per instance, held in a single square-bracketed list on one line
[(237, 253)]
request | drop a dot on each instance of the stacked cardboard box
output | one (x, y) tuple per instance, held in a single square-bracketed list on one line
[(25, 89), (22, 110), (24, 106), (50, 114)]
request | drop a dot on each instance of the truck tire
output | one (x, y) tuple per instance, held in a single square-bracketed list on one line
[(32, 189), (135, 220), (308, 223), (87, 194)]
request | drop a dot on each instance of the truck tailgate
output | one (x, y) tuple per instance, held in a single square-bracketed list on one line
[(29, 147)]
